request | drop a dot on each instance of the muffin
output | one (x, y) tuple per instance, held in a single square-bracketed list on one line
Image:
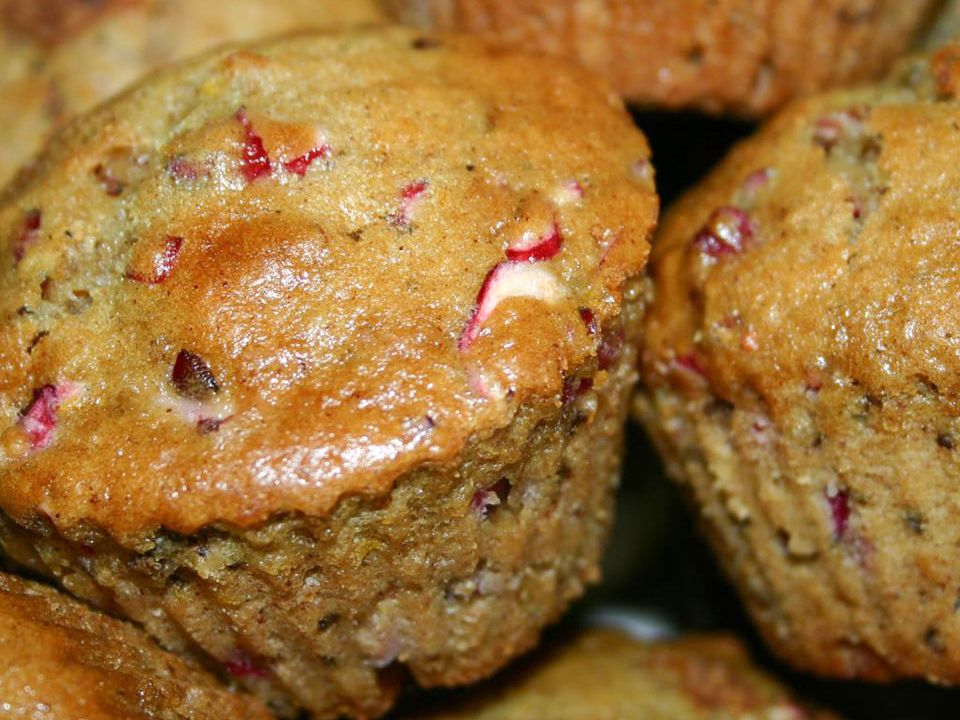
[(59, 58), (63, 661), (801, 368), (734, 56), (317, 353), (606, 675)]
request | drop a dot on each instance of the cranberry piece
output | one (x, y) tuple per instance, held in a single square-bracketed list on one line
[(255, 162), (208, 425), (180, 168), (192, 376), (691, 363), (409, 199), (610, 349), (299, 165), (755, 182), (574, 388), (536, 249), (163, 263), (243, 667), (505, 280), (835, 127), (726, 232), (28, 235), (487, 499), (40, 417), (586, 314), (839, 503)]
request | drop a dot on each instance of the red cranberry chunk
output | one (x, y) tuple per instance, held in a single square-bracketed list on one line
[(255, 162), (40, 418), (691, 363), (487, 499), (244, 667), (838, 126), (726, 232), (28, 235), (586, 314), (839, 503), (192, 376), (610, 349), (536, 249), (299, 165)]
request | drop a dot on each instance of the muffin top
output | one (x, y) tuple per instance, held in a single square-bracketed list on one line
[(607, 675), (63, 661), (59, 58), (284, 273), (819, 264)]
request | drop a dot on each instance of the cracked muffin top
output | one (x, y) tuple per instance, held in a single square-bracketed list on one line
[(63, 661), (838, 223), (59, 58), (607, 675), (284, 273)]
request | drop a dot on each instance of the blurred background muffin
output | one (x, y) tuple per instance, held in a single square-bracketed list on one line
[(734, 56), (59, 58), (800, 359), (318, 355), (64, 661), (607, 675)]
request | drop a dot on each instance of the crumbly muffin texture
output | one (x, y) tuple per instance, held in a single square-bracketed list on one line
[(606, 675), (59, 58), (742, 56), (316, 355), (63, 661), (801, 368)]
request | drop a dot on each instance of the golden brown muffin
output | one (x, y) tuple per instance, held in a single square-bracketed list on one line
[(315, 356), (59, 58), (802, 365), (63, 661), (740, 56), (606, 675)]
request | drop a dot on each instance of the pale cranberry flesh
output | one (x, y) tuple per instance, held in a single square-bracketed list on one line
[(507, 279), (487, 499), (726, 232), (410, 197), (29, 233), (39, 420)]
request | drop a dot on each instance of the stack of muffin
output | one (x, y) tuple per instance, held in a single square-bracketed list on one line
[(317, 349)]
